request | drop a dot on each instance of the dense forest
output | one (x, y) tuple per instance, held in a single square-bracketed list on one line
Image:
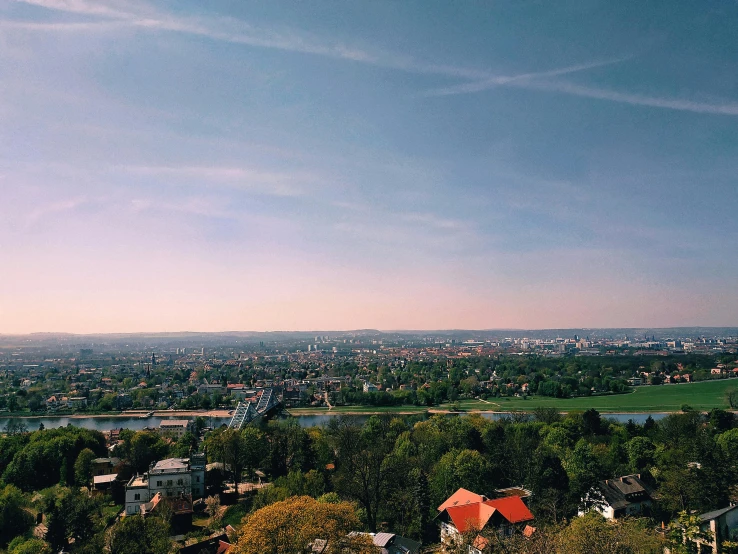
[(392, 471)]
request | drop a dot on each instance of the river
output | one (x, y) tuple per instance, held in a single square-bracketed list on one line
[(101, 423)]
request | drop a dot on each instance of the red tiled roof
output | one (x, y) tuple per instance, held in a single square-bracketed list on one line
[(461, 496), (512, 508), (469, 510), (470, 516)]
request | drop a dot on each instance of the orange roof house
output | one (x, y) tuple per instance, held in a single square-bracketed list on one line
[(466, 511)]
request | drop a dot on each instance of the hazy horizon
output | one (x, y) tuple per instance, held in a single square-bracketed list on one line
[(376, 165)]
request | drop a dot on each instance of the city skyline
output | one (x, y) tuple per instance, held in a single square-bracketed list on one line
[(251, 166)]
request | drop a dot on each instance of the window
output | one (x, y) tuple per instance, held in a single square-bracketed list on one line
[(169, 493), (198, 478), (180, 482), (158, 483), (137, 496), (169, 482)]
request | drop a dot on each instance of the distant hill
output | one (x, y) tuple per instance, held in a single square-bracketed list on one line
[(234, 337)]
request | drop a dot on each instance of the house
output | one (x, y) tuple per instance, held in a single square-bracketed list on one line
[(370, 387), (104, 482), (175, 427), (618, 497), (173, 478), (76, 402), (467, 512), (104, 466), (389, 543), (214, 545), (719, 525), (52, 403)]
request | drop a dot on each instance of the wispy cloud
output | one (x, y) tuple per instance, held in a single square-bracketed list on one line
[(492, 82), (237, 31), (227, 29), (727, 108), (264, 182), (54, 208), (435, 221)]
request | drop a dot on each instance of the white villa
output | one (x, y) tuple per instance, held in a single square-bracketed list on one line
[(173, 478)]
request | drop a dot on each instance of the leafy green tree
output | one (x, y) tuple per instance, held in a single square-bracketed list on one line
[(29, 546), (136, 535), (70, 515), (361, 474), (146, 447), (582, 467), (685, 533), (641, 453), (728, 442), (14, 519), (550, 484), (185, 445), (15, 426), (592, 534), (254, 444), (83, 467), (731, 397), (466, 469)]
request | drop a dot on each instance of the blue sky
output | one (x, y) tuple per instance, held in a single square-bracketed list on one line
[(336, 165)]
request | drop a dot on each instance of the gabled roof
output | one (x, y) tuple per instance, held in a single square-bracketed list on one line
[(476, 515), (460, 497), (620, 492), (512, 508), (170, 464), (716, 513)]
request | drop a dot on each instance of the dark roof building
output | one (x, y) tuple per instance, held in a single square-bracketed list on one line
[(614, 498)]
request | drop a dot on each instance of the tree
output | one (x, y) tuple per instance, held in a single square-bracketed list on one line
[(70, 516), (728, 442), (136, 535), (641, 453), (146, 447), (14, 520), (583, 468), (549, 483), (731, 397), (213, 508), (287, 527), (547, 415), (28, 546), (254, 445), (361, 474), (15, 426), (592, 534), (460, 468), (83, 467), (686, 532)]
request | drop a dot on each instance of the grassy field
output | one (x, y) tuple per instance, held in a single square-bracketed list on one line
[(662, 398)]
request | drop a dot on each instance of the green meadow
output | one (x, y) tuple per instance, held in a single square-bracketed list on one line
[(704, 395), (660, 398)]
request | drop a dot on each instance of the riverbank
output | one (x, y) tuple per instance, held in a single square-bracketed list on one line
[(173, 414)]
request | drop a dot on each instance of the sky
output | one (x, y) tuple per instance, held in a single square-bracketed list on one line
[(236, 165)]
